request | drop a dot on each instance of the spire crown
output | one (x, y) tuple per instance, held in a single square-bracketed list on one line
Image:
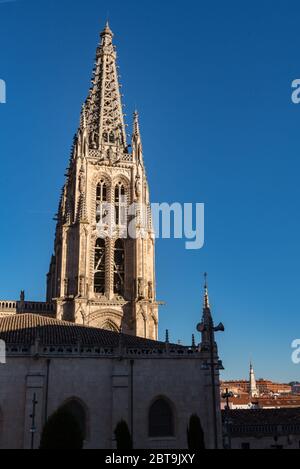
[(107, 30), (104, 111)]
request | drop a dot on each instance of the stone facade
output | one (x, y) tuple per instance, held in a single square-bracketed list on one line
[(93, 343), (102, 274), (97, 277), (111, 376)]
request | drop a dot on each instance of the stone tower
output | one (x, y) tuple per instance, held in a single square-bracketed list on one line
[(254, 392), (100, 274)]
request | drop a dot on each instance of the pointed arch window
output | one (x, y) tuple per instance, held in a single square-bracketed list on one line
[(100, 261), (75, 408), (119, 268), (101, 202), (161, 419), (120, 205)]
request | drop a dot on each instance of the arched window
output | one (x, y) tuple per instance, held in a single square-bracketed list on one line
[(105, 137), (76, 409), (161, 419), (99, 272), (101, 200), (119, 268), (120, 205)]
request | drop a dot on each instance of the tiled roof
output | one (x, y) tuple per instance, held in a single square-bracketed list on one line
[(284, 401), (264, 417), (24, 329)]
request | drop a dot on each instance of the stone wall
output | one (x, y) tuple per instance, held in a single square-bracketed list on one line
[(103, 386)]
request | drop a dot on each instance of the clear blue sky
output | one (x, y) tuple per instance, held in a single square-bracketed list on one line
[(212, 82)]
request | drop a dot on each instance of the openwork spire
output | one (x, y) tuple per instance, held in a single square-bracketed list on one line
[(104, 109)]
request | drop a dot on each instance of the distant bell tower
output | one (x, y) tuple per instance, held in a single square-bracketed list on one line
[(102, 272), (254, 392)]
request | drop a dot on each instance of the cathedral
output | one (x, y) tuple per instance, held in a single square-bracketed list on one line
[(93, 344), (99, 276)]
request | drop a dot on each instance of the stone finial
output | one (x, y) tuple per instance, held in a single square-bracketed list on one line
[(193, 341), (107, 30)]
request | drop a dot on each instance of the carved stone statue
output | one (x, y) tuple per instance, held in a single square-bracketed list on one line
[(81, 181), (66, 286), (141, 292), (111, 155), (150, 291), (138, 187), (94, 139), (81, 285)]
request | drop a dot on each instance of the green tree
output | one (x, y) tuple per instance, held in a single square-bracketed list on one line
[(62, 431), (123, 437), (195, 434)]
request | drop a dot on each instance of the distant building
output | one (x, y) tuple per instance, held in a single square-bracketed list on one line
[(268, 387), (260, 394), (262, 429), (264, 387), (253, 391), (259, 388), (282, 402), (296, 388)]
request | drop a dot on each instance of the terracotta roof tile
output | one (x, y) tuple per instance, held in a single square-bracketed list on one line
[(24, 329)]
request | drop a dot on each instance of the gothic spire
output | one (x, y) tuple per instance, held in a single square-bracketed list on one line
[(207, 316), (105, 120), (206, 327), (137, 147)]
